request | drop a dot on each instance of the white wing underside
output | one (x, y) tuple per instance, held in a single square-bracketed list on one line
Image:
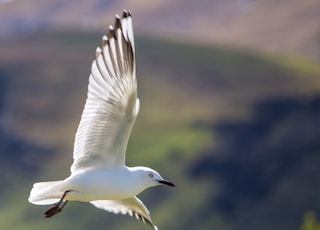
[(112, 104), (132, 206)]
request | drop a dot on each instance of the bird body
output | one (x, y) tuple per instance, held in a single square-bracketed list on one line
[(86, 186), (99, 174)]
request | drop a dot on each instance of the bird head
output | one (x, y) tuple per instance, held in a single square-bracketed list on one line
[(153, 178)]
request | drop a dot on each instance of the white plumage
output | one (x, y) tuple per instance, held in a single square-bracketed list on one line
[(98, 173)]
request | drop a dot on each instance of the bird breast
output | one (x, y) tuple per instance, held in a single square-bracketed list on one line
[(102, 185)]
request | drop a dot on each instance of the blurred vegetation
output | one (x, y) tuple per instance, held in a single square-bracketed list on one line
[(310, 222), (237, 131)]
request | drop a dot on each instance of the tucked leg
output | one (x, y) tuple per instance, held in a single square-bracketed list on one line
[(57, 208)]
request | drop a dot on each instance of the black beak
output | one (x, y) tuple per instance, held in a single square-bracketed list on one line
[(166, 183)]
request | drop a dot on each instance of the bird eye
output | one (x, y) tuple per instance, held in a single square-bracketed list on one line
[(150, 175)]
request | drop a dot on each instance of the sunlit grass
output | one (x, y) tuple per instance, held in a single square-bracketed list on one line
[(163, 143)]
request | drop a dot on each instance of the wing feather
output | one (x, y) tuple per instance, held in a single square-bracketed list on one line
[(112, 104), (132, 206)]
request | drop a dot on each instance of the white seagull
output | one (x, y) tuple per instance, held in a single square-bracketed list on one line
[(99, 174)]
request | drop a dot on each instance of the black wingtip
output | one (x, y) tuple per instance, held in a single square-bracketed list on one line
[(126, 13), (104, 41), (117, 23), (111, 33)]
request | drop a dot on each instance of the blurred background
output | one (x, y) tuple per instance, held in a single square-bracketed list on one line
[(230, 94)]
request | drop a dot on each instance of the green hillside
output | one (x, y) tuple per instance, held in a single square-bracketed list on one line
[(236, 131)]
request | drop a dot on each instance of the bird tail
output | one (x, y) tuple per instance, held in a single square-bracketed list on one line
[(45, 193)]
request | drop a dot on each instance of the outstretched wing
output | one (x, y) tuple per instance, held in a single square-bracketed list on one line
[(112, 104), (132, 206)]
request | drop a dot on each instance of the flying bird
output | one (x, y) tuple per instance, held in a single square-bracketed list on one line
[(98, 173)]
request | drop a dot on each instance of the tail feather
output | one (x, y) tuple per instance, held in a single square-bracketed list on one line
[(45, 193)]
